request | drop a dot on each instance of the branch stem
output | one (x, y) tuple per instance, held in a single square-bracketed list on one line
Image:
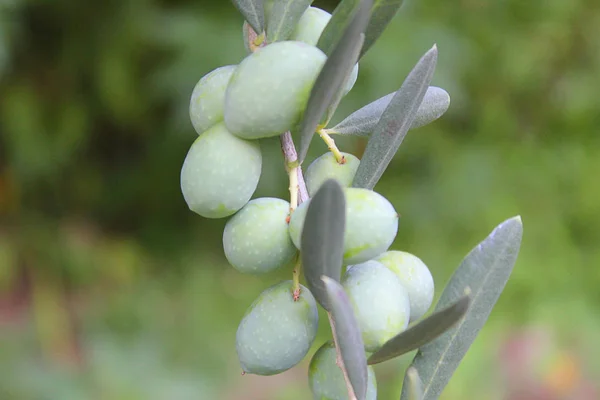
[(296, 277)]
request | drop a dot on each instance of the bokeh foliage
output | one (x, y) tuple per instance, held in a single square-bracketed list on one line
[(110, 288)]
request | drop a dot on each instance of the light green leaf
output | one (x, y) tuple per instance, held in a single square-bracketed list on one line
[(484, 272), (421, 333), (322, 241), (395, 122), (363, 121), (329, 86), (334, 30), (253, 12), (284, 17), (348, 337), (414, 384), (383, 12)]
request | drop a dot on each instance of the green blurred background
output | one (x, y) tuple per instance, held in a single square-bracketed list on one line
[(110, 288)]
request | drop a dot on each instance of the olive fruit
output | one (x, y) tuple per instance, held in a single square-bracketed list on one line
[(326, 167), (277, 331), (256, 239), (208, 97), (220, 173), (414, 276), (379, 301)]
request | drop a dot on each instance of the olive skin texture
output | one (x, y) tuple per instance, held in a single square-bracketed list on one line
[(326, 379), (326, 167), (414, 276), (208, 98), (379, 301), (277, 331), (269, 89), (256, 239), (220, 173)]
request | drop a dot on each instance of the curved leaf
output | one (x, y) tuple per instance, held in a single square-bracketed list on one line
[(284, 17), (253, 12), (334, 30), (322, 241), (484, 271), (329, 85), (348, 337), (363, 121), (395, 122), (421, 333), (383, 12)]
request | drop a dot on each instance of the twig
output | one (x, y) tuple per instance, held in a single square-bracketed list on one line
[(291, 162)]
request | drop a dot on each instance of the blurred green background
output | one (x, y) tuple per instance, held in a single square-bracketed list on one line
[(110, 288)]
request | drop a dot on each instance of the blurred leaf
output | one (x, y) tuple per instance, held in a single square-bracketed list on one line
[(253, 12), (348, 337), (322, 238), (383, 12), (421, 333), (329, 86), (363, 121), (415, 386), (484, 272), (395, 122), (334, 30), (284, 17)]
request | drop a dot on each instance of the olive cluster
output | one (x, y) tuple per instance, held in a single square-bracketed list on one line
[(261, 97)]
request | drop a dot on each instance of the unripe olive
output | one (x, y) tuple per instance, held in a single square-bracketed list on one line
[(256, 239), (277, 331), (326, 167), (414, 276), (220, 173), (309, 29), (208, 98), (269, 90), (326, 379), (371, 225), (379, 300)]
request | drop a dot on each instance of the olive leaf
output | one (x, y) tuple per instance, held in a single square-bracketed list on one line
[(421, 333), (329, 85), (348, 337), (253, 12), (395, 122), (363, 121), (383, 12), (284, 17), (484, 272), (322, 241), (334, 30)]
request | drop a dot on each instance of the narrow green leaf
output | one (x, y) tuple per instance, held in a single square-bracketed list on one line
[(322, 240), (253, 12), (327, 90), (415, 386), (421, 333), (395, 122), (484, 271), (334, 30), (363, 121), (284, 17), (383, 12), (348, 337)]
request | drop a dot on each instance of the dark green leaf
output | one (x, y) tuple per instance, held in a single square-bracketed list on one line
[(284, 17), (328, 88), (363, 121), (334, 30), (253, 12), (322, 240), (414, 384), (421, 333), (395, 122), (348, 337), (484, 272), (382, 14)]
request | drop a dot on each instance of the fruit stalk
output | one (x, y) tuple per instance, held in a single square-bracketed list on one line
[(339, 157), (339, 361), (291, 162)]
